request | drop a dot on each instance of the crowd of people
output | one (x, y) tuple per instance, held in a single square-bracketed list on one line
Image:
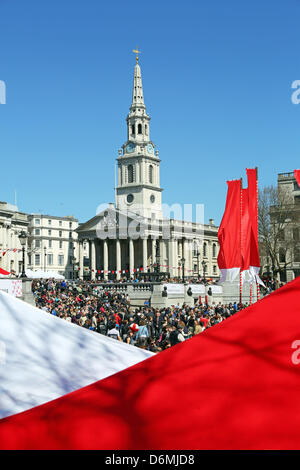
[(110, 313)]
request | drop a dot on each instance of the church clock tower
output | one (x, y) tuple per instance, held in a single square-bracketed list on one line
[(138, 188)]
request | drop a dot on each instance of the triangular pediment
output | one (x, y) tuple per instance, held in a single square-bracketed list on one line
[(108, 217)]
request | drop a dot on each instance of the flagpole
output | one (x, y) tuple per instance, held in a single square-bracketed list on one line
[(257, 285), (241, 242)]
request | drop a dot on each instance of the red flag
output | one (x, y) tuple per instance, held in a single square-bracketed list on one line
[(297, 176), (249, 229), (229, 234), (253, 214)]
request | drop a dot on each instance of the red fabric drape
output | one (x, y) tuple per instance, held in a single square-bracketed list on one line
[(234, 386)]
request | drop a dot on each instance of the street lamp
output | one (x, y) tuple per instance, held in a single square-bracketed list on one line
[(204, 269), (45, 258), (157, 256), (182, 262), (23, 238), (73, 261), (198, 264)]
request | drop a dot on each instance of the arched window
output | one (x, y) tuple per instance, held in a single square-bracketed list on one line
[(130, 174), (140, 129), (204, 249), (151, 174), (214, 250), (146, 129), (132, 129)]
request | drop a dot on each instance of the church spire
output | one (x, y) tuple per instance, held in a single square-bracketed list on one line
[(137, 92)]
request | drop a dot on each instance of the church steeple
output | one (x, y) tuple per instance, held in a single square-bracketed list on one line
[(138, 119), (137, 92), (138, 187)]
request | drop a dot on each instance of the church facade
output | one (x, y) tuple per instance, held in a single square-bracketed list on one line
[(134, 234)]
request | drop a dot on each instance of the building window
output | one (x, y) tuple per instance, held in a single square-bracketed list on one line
[(37, 221), (49, 233), (151, 174), (130, 174), (37, 243), (37, 231), (50, 259), (215, 269), (195, 249), (281, 255), (297, 254), (37, 260), (70, 224), (49, 222), (60, 233), (60, 260), (140, 129), (214, 250), (70, 234), (132, 129), (146, 129), (50, 243), (60, 244), (60, 223), (204, 250)]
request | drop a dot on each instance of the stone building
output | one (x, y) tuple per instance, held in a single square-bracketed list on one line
[(134, 234), (52, 244), (289, 245), (12, 223)]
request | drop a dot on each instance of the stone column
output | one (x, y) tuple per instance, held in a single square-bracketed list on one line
[(105, 258), (93, 259), (80, 245), (153, 247), (173, 257), (162, 249), (118, 258), (186, 245), (145, 254), (131, 256)]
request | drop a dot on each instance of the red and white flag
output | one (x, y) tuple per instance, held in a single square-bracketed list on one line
[(238, 232), (249, 229), (252, 400), (229, 234)]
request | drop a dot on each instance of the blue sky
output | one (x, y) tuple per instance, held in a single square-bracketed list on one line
[(217, 84)]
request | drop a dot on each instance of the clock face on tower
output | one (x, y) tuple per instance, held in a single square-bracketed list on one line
[(130, 147), (150, 148)]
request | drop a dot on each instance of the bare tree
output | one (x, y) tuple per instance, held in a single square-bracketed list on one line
[(275, 229)]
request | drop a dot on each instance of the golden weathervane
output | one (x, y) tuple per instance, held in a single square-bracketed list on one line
[(137, 52)]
